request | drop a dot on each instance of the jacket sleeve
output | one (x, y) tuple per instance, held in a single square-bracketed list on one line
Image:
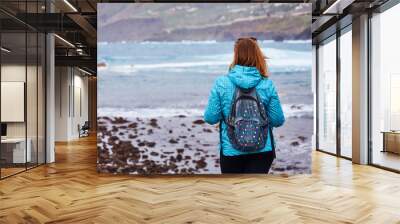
[(213, 112), (274, 109)]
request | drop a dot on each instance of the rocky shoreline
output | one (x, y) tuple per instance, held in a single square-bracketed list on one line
[(187, 145)]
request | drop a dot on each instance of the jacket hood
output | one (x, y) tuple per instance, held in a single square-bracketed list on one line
[(245, 77)]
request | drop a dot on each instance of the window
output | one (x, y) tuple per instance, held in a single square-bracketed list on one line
[(327, 96), (346, 93), (385, 89), (22, 77)]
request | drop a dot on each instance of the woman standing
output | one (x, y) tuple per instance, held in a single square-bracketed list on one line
[(246, 143)]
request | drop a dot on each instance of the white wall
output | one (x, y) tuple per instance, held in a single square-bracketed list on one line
[(33, 126), (70, 84), (12, 73), (61, 103)]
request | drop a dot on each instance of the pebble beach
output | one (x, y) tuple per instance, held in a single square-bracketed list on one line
[(187, 145)]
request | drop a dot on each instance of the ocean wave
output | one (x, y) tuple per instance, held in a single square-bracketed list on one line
[(148, 112), (175, 66), (220, 68), (298, 110), (178, 42), (287, 41), (290, 111), (179, 64), (298, 41), (278, 59), (204, 42)]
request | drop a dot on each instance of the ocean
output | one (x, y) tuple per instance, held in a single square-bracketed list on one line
[(163, 79)]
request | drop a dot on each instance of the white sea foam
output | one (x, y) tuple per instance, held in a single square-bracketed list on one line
[(279, 60), (178, 42), (298, 110), (298, 41), (290, 111), (128, 69), (206, 42), (287, 41), (148, 112)]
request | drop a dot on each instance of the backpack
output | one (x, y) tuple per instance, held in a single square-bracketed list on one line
[(247, 123)]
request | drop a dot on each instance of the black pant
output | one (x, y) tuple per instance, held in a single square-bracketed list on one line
[(248, 163)]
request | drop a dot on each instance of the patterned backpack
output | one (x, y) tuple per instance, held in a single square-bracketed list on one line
[(247, 122)]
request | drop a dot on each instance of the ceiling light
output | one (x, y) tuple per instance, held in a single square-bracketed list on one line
[(333, 6), (65, 41), (79, 51), (5, 50), (86, 72), (70, 5), (338, 6)]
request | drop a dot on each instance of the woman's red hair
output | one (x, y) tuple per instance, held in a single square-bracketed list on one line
[(248, 53)]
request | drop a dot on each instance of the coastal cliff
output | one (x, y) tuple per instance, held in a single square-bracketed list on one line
[(200, 22)]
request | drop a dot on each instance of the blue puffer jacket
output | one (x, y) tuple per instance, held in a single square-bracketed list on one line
[(219, 102)]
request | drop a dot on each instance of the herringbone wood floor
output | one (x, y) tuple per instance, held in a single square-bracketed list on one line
[(70, 191)]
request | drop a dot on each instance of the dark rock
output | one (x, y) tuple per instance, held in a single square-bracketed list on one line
[(198, 122), (132, 125), (173, 141), (207, 130), (279, 169), (302, 138), (150, 144), (201, 164), (119, 120), (132, 136), (153, 123), (154, 153), (295, 143)]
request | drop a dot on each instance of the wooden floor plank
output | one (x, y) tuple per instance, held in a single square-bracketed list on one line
[(71, 191)]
